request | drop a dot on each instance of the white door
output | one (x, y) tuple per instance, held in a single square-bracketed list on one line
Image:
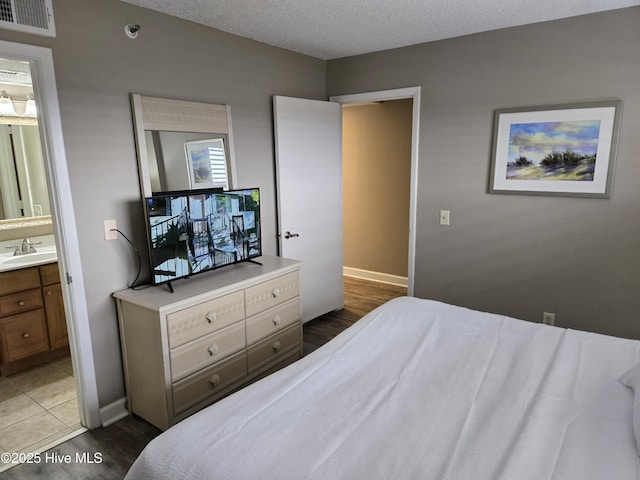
[(308, 137)]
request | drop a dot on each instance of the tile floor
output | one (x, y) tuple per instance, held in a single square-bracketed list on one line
[(37, 408)]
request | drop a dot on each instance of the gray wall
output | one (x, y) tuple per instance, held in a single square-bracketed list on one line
[(97, 67), (520, 255)]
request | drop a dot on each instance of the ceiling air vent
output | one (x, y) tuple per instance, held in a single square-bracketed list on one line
[(30, 16)]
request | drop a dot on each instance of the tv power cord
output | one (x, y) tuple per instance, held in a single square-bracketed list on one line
[(133, 285)]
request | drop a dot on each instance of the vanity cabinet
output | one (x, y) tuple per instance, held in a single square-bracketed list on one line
[(217, 332), (33, 327)]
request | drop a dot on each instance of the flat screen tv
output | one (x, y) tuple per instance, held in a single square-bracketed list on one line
[(194, 231)]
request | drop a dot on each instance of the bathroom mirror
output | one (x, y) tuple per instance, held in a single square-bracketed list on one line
[(24, 196), (182, 145)]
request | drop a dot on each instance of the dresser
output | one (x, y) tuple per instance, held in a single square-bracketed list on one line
[(33, 327), (217, 332)]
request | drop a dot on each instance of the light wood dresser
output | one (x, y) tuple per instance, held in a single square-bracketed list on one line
[(218, 331)]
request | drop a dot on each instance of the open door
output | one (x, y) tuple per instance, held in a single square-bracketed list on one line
[(308, 138)]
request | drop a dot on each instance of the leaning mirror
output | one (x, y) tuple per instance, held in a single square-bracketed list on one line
[(182, 145)]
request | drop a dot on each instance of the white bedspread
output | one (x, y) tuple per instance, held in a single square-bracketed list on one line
[(421, 390)]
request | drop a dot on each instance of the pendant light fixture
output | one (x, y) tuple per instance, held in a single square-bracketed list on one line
[(6, 106), (30, 107)]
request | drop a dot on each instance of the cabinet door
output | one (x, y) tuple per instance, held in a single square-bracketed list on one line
[(56, 320)]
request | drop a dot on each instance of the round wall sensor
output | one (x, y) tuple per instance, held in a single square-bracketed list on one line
[(132, 30)]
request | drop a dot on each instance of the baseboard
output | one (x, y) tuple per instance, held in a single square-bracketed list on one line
[(113, 412), (375, 276)]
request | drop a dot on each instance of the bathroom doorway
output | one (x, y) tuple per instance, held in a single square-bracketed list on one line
[(38, 398), (40, 60)]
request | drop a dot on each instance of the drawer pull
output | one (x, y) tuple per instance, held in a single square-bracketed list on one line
[(214, 380), (275, 293), (213, 350), (49, 293), (277, 346), (211, 317), (25, 335), (276, 320), (21, 303)]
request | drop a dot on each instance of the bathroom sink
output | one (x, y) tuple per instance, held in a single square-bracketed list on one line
[(30, 259)]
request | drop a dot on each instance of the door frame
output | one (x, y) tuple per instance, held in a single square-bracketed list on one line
[(49, 121), (399, 94)]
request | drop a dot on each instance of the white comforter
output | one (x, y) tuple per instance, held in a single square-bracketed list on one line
[(421, 390)]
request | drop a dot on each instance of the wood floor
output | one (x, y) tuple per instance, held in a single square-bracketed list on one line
[(113, 449), (360, 297)]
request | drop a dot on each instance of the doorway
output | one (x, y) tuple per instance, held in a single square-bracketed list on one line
[(412, 95), (40, 62), (376, 159), (38, 399)]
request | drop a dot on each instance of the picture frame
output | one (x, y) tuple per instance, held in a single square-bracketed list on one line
[(206, 163), (559, 150)]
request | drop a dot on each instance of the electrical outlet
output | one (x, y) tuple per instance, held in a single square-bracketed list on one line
[(445, 217), (109, 230), (548, 318)]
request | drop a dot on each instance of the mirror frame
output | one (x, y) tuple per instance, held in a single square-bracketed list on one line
[(163, 114), (14, 228)]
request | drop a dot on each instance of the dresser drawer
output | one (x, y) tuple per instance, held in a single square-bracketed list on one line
[(23, 335), (271, 293), (196, 388), (20, 302), (205, 318), (18, 280), (206, 351), (273, 347), (269, 322)]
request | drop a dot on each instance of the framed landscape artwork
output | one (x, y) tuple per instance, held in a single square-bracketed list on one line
[(565, 150)]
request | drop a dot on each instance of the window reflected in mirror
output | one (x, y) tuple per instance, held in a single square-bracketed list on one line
[(185, 160)]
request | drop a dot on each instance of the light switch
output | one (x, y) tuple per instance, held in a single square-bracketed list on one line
[(445, 216)]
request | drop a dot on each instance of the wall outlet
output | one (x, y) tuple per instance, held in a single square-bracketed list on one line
[(109, 230), (548, 318)]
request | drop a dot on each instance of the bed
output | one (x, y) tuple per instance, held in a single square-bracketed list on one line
[(423, 389)]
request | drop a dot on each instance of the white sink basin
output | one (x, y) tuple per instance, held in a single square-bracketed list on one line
[(30, 258)]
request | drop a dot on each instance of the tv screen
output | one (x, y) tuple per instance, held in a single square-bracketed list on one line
[(198, 230)]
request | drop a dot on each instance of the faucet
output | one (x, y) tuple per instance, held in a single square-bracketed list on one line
[(27, 247)]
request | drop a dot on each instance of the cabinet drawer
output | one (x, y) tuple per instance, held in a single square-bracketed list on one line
[(271, 293), (205, 318), (206, 351), (273, 347), (18, 280), (23, 335), (20, 302), (49, 274), (196, 388), (266, 323)]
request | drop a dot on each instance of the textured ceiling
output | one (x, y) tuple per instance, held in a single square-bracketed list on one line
[(338, 28), (15, 72)]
